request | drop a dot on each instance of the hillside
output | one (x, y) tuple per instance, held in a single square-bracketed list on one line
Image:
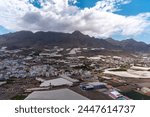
[(68, 40)]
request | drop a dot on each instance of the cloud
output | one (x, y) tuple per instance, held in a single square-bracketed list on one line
[(59, 15), (110, 5), (31, 17)]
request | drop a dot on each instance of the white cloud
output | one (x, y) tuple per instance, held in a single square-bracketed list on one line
[(110, 5), (58, 15)]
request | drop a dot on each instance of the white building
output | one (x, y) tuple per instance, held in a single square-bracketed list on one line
[(61, 94), (56, 82)]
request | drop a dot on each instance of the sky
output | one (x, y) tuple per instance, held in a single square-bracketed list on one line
[(119, 19)]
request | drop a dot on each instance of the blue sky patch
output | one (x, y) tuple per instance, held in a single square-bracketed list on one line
[(86, 3), (36, 3), (135, 7), (3, 30)]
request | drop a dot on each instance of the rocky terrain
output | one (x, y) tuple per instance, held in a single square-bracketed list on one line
[(76, 39)]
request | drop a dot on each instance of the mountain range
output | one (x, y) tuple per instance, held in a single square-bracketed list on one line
[(41, 39)]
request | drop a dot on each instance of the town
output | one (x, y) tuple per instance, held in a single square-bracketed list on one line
[(73, 74)]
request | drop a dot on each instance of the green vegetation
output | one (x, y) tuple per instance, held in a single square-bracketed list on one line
[(10, 81), (120, 69), (84, 67), (126, 66), (18, 97), (136, 95)]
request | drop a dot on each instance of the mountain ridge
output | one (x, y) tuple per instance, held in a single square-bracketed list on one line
[(75, 39), (130, 45)]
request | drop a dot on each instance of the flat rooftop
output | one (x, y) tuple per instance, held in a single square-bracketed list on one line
[(61, 94), (56, 82)]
